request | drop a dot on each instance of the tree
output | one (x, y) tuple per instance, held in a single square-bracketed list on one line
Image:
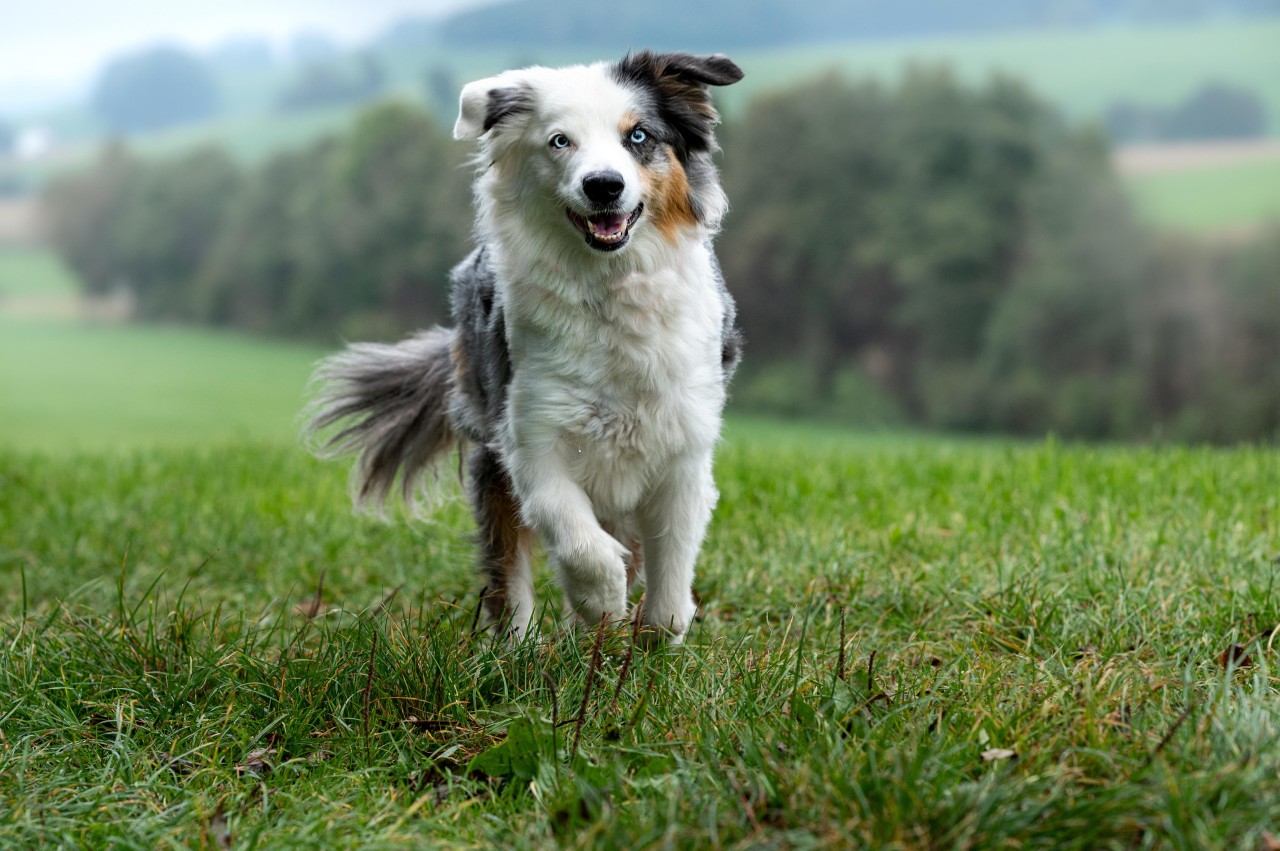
[(880, 224), (85, 222), (156, 88), (1217, 111)]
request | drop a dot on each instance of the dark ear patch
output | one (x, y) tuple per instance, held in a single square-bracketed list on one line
[(504, 103), (677, 83), (487, 103), (716, 70)]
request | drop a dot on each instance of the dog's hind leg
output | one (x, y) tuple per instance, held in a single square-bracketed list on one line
[(505, 546)]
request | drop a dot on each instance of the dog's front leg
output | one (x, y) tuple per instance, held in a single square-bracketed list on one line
[(672, 524), (590, 563)]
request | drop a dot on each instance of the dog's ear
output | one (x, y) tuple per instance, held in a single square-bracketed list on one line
[(679, 83), (715, 70), (487, 103)]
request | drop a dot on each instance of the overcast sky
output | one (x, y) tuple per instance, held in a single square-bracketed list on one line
[(53, 47)]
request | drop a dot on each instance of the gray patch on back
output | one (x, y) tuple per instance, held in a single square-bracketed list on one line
[(484, 372)]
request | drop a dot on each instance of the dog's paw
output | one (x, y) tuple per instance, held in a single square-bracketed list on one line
[(665, 623), (596, 601), (594, 578)]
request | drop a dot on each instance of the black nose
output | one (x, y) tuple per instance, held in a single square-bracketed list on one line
[(603, 187)]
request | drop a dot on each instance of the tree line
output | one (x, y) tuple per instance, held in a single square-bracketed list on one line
[(923, 251)]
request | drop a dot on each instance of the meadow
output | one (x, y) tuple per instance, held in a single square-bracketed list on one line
[(1210, 198), (903, 641)]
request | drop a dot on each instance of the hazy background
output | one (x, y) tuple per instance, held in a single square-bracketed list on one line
[(1018, 216)]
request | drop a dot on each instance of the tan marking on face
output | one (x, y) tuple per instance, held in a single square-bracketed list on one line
[(627, 123), (667, 198)]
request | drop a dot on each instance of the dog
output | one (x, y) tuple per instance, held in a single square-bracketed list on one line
[(593, 343)]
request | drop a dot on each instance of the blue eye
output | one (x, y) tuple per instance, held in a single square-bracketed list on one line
[(638, 137), (560, 141)]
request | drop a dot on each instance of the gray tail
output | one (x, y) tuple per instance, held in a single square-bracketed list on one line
[(389, 404)]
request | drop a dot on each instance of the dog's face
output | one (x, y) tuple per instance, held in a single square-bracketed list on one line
[(601, 151)]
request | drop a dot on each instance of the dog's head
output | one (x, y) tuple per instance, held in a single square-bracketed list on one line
[(606, 149)]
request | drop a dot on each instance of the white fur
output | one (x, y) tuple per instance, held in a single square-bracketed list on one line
[(614, 407)]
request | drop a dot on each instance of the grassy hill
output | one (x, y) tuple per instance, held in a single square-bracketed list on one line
[(1080, 70)]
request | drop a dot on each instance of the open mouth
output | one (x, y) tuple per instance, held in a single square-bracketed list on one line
[(606, 231)]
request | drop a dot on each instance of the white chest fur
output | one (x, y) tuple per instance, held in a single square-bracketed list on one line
[(615, 375)]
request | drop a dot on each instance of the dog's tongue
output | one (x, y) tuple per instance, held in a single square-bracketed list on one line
[(608, 224)]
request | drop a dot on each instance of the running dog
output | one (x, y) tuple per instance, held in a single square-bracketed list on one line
[(592, 346)]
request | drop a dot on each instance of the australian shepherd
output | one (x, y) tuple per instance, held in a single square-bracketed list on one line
[(593, 341)]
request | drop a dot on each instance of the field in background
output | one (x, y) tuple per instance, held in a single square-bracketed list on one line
[(1081, 71), (1215, 197), (33, 272), (68, 384)]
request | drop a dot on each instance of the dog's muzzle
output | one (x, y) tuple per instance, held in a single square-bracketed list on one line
[(607, 228)]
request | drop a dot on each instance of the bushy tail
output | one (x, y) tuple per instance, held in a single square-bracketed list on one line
[(390, 403)]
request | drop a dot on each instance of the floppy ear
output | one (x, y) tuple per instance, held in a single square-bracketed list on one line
[(715, 70), (486, 103)]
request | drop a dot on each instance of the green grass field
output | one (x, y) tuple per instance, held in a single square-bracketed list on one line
[(66, 386), (26, 272), (902, 643), (1214, 198)]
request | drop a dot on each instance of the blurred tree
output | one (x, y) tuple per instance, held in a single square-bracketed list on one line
[(1218, 111), (254, 259), (1059, 348), (153, 89), (809, 175), (84, 223), (396, 216), (332, 83), (356, 235), (881, 225)]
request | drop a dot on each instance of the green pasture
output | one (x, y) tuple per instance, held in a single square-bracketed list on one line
[(1212, 198), (69, 385), (1081, 71), (907, 643), (27, 272)]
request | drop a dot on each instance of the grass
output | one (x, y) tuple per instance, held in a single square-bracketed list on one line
[(1218, 197), (26, 272), (909, 643), (66, 385)]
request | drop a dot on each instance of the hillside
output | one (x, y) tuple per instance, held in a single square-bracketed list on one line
[(746, 24)]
